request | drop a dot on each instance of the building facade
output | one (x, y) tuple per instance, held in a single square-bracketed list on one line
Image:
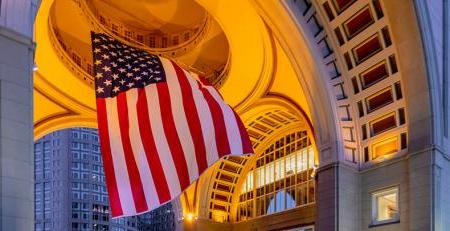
[(16, 100), (346, 103), (162, 218), (70, 190)]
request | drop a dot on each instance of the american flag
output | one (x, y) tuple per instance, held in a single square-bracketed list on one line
[(159, 127)]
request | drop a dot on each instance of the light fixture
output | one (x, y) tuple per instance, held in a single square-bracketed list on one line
[(314, 171), (189, 216)]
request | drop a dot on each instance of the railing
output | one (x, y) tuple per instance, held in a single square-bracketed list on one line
[(216, 76), (84, 70), (93, 17), (65, 54)]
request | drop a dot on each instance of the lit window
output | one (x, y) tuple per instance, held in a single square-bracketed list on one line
[(175, 40), (385, 206), (164, 42), (280, 179), (152, 41), (140, 38)]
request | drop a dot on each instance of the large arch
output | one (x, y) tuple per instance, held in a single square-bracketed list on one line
[(408, 67), (299, 38)]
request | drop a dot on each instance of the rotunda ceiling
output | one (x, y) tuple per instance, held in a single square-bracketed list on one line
[(177, 29)]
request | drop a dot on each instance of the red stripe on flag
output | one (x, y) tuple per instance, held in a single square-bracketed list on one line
[(246, 144), (172, 135), (133, 173), (220, 130), (150, 148), (113, 192), (192, 118)]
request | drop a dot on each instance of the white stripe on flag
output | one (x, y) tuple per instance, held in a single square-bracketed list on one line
[(179, 117), (117, 152), (234, 139), (162, 146), (151, 195), (206, 121)]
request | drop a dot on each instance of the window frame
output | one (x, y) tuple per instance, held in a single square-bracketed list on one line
[(374, 205), (293, 148)]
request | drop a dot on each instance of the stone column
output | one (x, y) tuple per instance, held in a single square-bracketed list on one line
[(337, 198), (16, 115)]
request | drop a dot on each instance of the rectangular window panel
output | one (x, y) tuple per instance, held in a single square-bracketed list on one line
[(364, 131), (355, 85), (328, 11), (404, 142), (348, 61), (342, 5), (367, 49), (360, 109), (401, 116), (385, 147), (383, 124), (386, 36), (339, 36), (393, 64), (378, 9), (366, 154), (357, 23), (374, 74), (398, 90), (379, 100), (385, 206)]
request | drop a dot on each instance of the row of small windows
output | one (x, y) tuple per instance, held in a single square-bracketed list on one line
[(89, 227), (84, 135), (86, 175), (85, 146), (347, 28), (86, 167), (88, 186), (74, 146), (76, 155), (150, 40), (86, 207), (385, 202), (89, 216), (76, 195)]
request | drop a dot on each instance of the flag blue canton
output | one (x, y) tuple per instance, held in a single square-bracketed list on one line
[(119, 67)]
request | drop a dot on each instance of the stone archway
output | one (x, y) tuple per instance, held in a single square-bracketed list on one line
[(325, 91)]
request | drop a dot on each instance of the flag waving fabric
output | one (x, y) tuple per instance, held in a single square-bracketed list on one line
[(159, 127)]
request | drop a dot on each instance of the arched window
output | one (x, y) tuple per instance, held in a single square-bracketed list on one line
[(280, 179)]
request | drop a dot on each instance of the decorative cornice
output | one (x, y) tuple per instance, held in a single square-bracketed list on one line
[(93, 16), (78, 70), (217, 77), (17, 37)]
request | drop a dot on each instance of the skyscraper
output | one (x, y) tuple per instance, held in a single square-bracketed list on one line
[(70, 190)]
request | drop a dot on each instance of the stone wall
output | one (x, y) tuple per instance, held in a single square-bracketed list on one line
[(16, 132)]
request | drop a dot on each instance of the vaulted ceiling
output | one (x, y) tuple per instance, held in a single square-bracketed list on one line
[(227, 42)]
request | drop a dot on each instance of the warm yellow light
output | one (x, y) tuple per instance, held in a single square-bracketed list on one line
[(219, 216), (189, 216), (385, 147)]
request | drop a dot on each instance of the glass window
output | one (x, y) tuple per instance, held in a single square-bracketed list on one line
[(385, 206), (280, 179), (164, 41), (75, 155), (84, 155), (152, 41)]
